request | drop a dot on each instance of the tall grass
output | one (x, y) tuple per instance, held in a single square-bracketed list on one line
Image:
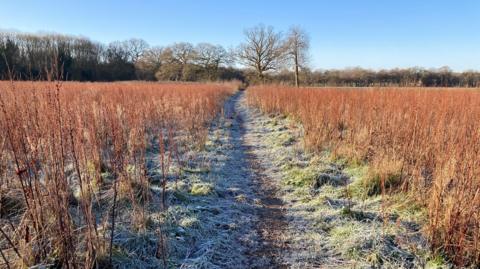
[(427, 139), (71, 152)]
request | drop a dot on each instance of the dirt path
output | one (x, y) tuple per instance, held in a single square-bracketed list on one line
[(269, 210), (241, 222), (271, 224)]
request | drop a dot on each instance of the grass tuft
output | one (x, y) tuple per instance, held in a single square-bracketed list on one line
[(201, 189)]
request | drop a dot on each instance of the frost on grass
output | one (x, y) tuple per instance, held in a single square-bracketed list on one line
[(199, 189), (333, 220), (211, 220), (334, 208), (211, 214)]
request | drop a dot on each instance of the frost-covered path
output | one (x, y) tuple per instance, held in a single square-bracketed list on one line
[(270, 212), (251, 175), (240, 221)]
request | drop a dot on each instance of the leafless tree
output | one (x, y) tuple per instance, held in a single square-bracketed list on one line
[(136, 47), (262, 49), (153, 56), (210, 57), (184, 53), (149, 63), (296, 49)]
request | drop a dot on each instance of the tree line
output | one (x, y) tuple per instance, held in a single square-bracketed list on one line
[(265, 55), (402, 77), (30, 56)]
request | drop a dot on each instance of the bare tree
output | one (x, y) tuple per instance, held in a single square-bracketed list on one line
[(184, 53), (210, 57), (135, 47), (296, 49), (149, 63), (153, 56), (262, 49), (170, 69), (117, 51)]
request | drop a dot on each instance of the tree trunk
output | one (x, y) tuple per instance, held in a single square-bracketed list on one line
[(260, 75), (296, 71)]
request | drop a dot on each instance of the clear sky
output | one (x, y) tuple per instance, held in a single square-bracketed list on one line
[(344, 33)]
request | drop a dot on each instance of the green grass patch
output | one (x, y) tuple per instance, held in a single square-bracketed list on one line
[(343, 233), (198, 170), (356, 171), (300, 177), (407, 208), (368, 179), (201, 189), (189, 222), (373, 184), (437, 262), (281, 139)]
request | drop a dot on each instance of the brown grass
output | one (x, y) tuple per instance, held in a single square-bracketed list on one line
[(65, 147), (431, 135)]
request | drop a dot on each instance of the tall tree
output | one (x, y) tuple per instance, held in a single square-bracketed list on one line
[(183, 53), (210, 57), (118, 63), (135, 48), (262, 49), (149, 63), (297, 45)]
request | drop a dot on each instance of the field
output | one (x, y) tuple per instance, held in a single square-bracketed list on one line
[(421, 142), (239, 134), (76, 159), (202, 175)]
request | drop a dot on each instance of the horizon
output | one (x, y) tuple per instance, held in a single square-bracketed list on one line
[(345, 34)]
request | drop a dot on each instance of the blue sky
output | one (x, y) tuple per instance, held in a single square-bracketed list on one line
[(344, 33)]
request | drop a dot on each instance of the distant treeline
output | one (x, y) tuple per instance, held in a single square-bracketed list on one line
[(409, 77), (34, 56), (30, 56)]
